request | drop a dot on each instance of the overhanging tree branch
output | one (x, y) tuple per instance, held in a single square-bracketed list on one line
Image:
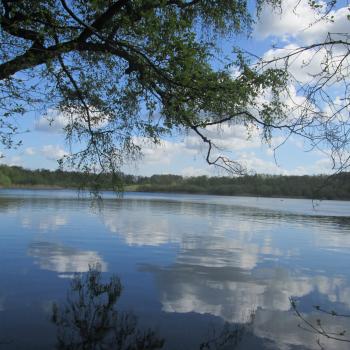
[(129, 61)]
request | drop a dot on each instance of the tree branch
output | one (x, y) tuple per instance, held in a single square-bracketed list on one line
[(34, 57), (11, 27), (99, 23)]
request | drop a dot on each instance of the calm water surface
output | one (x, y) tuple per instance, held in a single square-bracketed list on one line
[(187, 263)]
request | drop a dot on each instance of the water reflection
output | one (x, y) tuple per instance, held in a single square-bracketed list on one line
[(143, 223), (90, 319), (322, 326), (233, 294), (224, 267), (185, 263), (2, 302), (230, 293), (48, 223), (153, 229), (63, 259)]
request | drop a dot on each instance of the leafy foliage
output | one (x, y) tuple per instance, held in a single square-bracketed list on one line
[(126, 71)]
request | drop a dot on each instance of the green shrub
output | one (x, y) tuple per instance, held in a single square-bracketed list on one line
[(5, 181)]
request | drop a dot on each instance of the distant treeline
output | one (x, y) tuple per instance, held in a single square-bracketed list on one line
[(320, 186)]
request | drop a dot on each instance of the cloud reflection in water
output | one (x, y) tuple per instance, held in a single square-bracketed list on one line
[(62, 259), (232, 262)]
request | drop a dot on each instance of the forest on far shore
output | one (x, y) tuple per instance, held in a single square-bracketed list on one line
[(316, 186)]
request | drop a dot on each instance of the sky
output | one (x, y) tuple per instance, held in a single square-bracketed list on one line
[(44, 142)]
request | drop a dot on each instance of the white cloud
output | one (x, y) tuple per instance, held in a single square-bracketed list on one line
[(53, 152), (233, 137), (162, 153), (12, 160), (226, 138), (320, 30), (29, 151), (229, 138), (303, 67), (307, 66), (298, 21), (55, 121), (161, 156), (236, 143), (252, 162), (288, 20), (194, 171)]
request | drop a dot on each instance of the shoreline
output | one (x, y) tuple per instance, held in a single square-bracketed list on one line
[(132, 189)]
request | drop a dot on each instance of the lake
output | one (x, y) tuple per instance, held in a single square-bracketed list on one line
[(192, 267)]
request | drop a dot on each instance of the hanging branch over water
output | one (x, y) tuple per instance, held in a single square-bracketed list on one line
[(120, 73)]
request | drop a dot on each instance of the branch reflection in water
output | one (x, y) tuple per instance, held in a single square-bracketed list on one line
[(323, 325), (90, 320)]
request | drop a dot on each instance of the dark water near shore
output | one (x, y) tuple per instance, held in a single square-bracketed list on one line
[(188, 264)]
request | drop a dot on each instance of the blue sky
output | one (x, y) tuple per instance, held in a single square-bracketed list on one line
[(43, 144)]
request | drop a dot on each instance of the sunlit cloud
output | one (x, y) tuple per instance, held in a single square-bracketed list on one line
[(298, 21), (53, 152)]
